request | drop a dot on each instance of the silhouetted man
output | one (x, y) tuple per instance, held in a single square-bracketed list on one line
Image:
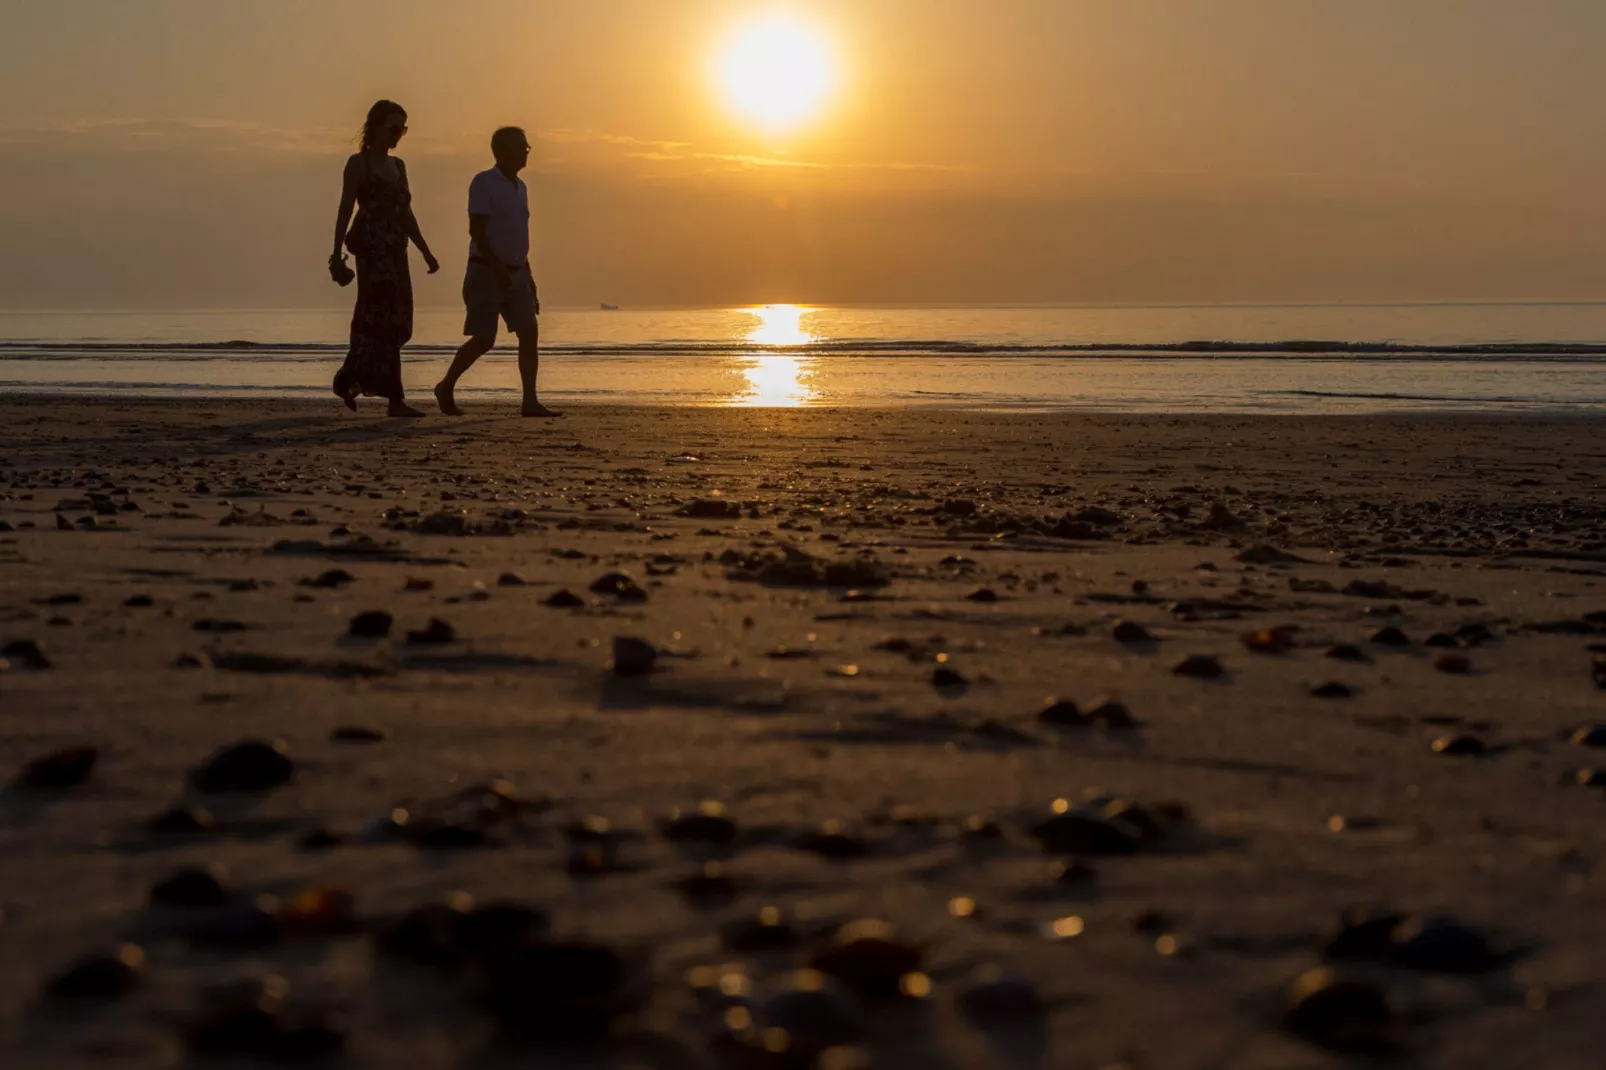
[(498, 283)]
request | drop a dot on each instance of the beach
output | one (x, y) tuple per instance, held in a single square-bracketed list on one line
[(1115, 715)]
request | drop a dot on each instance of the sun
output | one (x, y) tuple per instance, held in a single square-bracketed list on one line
[(777, 72)]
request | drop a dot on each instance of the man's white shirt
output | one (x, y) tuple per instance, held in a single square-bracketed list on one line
[(507, 204)]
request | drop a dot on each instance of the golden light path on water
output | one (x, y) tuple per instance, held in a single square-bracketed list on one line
[(775, 380)]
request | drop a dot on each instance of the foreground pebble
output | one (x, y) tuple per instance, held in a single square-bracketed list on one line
[(1341, 1014), (632, 656), (868, 958), (252, 766), (61, 769), (100, 976), (994, 997)]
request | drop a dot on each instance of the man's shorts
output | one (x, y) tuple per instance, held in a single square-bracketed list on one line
[(486, 301)]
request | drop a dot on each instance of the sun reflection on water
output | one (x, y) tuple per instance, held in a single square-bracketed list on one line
[(776, 380)]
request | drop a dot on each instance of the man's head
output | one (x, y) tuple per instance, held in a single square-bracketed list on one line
[(511, 148)]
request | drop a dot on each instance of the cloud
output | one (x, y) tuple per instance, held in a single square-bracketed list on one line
[(169, 135), (623, 157)]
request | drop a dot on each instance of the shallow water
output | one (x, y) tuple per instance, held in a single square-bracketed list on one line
[(1259, 359)]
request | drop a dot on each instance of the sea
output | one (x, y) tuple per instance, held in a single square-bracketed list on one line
[(1331, 358)]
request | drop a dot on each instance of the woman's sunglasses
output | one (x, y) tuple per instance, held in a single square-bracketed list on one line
[(396, 128)]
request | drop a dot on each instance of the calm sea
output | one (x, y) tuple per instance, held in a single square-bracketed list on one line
[(1327, 358)]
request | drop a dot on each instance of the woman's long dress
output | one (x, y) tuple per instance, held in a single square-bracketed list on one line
[(383, 321)]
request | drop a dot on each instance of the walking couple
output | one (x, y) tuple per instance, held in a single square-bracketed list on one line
[(497, 284)]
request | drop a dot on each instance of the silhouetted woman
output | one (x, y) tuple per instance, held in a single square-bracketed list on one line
[(376, 184)]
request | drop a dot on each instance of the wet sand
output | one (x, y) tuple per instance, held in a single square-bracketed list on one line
[(854, 616)]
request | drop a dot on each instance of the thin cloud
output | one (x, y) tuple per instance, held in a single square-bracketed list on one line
[(656, 161)]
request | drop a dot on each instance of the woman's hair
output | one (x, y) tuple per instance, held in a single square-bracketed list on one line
[(378, 115)]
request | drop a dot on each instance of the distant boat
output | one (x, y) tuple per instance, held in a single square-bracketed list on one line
[(609, 308)]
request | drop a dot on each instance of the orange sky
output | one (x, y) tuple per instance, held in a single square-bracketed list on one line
[(168, 153)]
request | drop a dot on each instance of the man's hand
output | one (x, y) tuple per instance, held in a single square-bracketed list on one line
[(431, 263)]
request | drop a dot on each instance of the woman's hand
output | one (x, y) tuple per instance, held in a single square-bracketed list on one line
[(431, 263), (339, 272)]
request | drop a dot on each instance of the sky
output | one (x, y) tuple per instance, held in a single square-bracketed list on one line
[(187, 153)]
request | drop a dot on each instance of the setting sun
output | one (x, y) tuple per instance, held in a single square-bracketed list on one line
[(777, 72)]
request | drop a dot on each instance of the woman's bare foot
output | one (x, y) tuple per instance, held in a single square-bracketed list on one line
[(350, 403), (401, 408), (448, 403), (535, 408)]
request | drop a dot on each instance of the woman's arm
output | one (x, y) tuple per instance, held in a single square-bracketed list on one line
[(423, 246), (414, 233), (348, 203)]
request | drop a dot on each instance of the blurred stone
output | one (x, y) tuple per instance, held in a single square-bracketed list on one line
[(436, 633), (249, 767), (1127, 631), (1460, 746), (621, 585), (62, 769), (100, 976), (25, 654), (867, 957), (374, 624), (191, 889), (1200, 666), (708, 824), (632, 656), (356, 733), (994, 997), (1343, 1015), (767, 930), (562, 990)]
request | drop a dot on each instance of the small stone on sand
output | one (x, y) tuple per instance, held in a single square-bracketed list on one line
[(252, 766), (1201, 667), (26, 654), (436, 633), (356, 733), (632, 656), (1460, 746), (190, 889), (62, 769), (1127, 631), (374, 624), (1391, 636), (100, 976), (1345, 1015), (769, 929), (621, 585), (868, 957), (1589, 735)]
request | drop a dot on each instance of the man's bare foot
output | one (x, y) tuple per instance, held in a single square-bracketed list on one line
[(401, 408), (448, 403), (535, 408)]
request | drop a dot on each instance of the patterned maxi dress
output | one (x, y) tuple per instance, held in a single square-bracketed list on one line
[(383, 321)]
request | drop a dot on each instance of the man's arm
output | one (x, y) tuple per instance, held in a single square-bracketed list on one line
[(477, 230)]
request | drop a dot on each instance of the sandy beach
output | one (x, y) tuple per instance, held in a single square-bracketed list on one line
[(1109, 719)]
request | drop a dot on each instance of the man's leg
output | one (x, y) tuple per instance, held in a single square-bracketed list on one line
[(529, 368), (471, 350)]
